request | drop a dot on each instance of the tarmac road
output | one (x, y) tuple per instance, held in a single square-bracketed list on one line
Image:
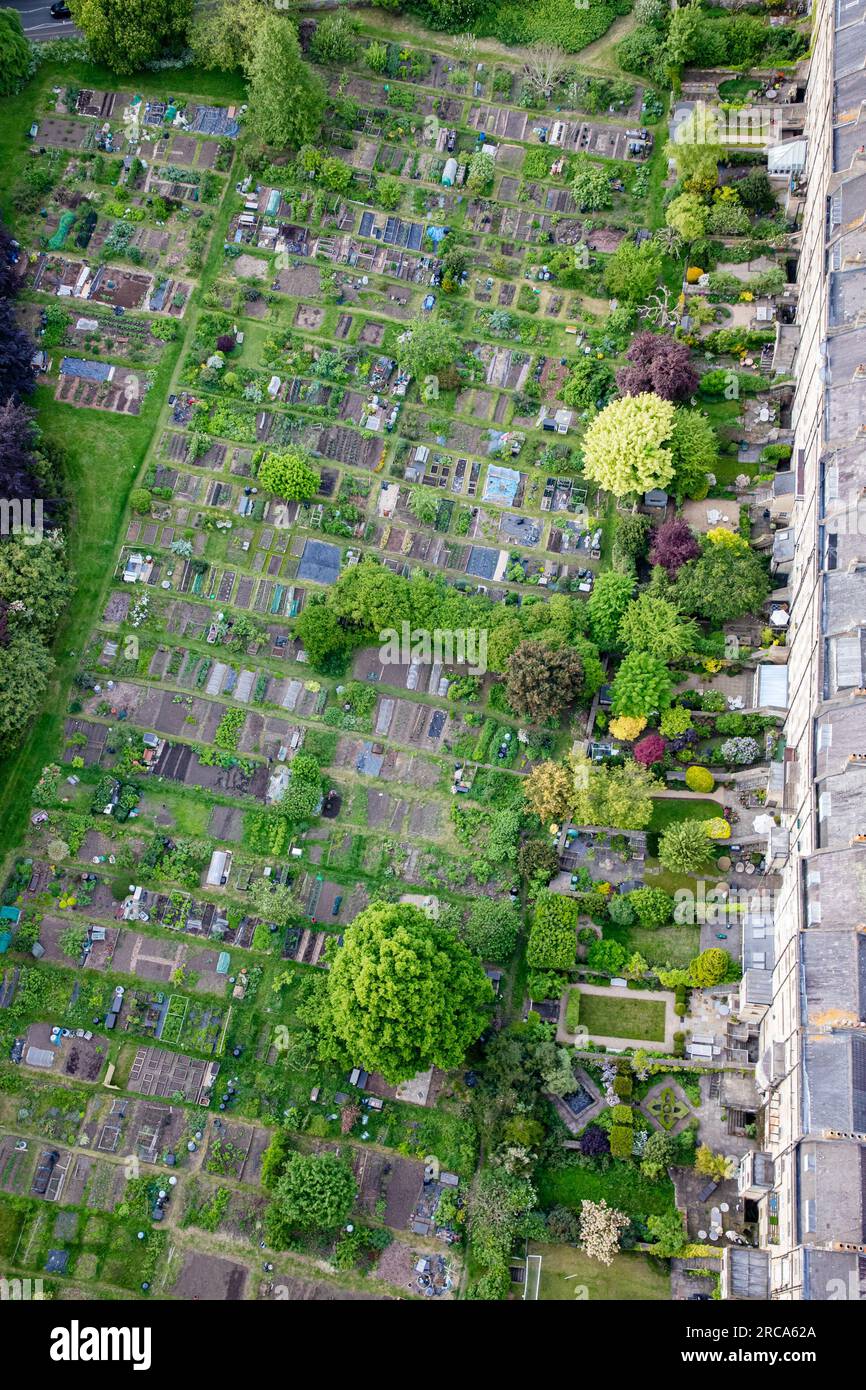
[(38, 24)]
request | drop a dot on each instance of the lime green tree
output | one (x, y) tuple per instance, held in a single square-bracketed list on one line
[(710, 967), (624, 447), (288, 473), (642, 686), (655, 626)]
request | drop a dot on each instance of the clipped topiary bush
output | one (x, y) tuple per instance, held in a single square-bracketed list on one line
[(699, 779)]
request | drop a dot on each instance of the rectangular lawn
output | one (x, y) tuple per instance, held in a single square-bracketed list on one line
[(604, 1017), (630, 1278)]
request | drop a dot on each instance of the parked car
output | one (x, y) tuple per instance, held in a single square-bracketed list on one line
[(60, 10)]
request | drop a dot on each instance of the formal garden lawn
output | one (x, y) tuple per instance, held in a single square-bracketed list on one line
[(610, 1017), (621, 1184), (670, 810), (672, 946), (630, 1278)]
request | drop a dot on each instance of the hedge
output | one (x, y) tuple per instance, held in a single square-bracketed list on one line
[(621, 1141), (572, 1010), (553, 935)]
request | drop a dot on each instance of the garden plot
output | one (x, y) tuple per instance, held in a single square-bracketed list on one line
[(426, 820), (300, 281), (16, 1167), (108, 1185), (384, 812), (180, 763), (409, 723), (420, 676), (152, 1129), (341, 444), (282, 1287), (397, 1180), (62, 134), (153, 958), (118, 390), (81, 1058), (95, 104), (94, 734), (320, 898), (206, 1277), (51, 930), (236, 1151), (226, 824), (409, 769), (155, 1072)]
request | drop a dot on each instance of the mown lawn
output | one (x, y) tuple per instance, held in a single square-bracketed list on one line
[(606, 1016), (621, 1184), (668, 810), (673, 946), (104, 453), (566, 1272)]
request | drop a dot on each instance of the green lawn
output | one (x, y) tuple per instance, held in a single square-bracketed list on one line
[(668, 810), (739, 88), (566, 1272), (104, 454), (620, 1184), (674, 946), (609, 1017)]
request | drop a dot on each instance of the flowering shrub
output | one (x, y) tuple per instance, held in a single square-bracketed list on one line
[(740, 751)]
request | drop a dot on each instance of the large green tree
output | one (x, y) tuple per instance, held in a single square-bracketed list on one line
[(315, 1192), (221, 35), (633, 272), (429, 346), (694, 449), (615, 796), (126, 34), (287, 98), (541, 681), (722, 584), (642, 686), (655, 626), (15, 57), (404, 994), (685, 847), (607, 604)]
